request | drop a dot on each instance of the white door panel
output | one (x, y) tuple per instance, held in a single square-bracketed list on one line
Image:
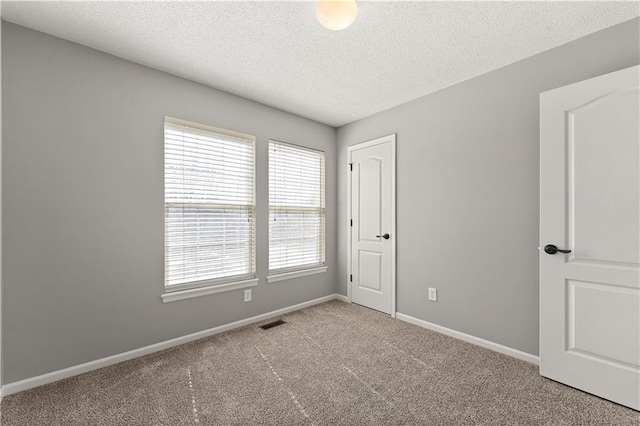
[(372, 215), (370, 271), (596, 308), (369, 203), (590, 204), (602, 221)]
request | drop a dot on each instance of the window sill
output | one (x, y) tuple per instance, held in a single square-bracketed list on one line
[(295, 274), (174, 296)]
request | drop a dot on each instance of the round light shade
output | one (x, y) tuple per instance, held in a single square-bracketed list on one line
[(337, 15)]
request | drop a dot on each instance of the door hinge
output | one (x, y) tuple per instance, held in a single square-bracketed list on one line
[(350, 167), (351, 278), (351, 222)]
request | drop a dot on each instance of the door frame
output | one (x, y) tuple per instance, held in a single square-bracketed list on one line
[(384, 139)]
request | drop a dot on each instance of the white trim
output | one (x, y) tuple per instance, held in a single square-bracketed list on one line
[(385, 139), (54, 376), (349, 218), (393, 226), (207, 128), (205, 291), (295, 274), (524, 356), (342, 298), (371, 142)]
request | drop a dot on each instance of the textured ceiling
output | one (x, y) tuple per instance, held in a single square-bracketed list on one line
[(277, 53)]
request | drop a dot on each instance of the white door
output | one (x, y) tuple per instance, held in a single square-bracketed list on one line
[(589, 200), (372, 224)]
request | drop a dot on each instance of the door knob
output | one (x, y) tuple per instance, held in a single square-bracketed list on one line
[(551, 249), (385, 236)]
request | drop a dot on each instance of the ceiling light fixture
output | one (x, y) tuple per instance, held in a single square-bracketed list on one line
[(337, 15)]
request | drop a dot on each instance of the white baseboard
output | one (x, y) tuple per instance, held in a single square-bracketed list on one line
[(534, 359), (54, 376), (341, 297)]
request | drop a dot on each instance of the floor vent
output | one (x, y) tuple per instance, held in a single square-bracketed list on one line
[(272, 324)]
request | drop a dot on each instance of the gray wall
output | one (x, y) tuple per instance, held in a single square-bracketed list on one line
[(83, 204), (0, 202), (467, 189)]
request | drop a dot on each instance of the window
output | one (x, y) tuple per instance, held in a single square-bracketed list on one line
[(296, 208), (209, 205)]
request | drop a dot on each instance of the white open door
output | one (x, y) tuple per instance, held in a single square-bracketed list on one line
[(590, 206), (372, 238)]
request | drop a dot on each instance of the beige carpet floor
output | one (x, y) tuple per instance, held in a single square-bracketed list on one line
[(331, 364)]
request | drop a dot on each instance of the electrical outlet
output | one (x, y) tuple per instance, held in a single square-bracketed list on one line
[(247, 295), (433, 294)]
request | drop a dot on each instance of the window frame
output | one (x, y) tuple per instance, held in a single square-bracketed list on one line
[(280, 274), (214, 285)]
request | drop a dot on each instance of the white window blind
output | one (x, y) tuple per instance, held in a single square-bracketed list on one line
[(296, 207), (209, 205)]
